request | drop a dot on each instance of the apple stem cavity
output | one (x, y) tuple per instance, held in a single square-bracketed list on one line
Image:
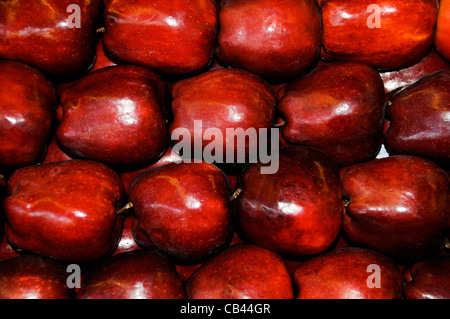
[(125, 208)]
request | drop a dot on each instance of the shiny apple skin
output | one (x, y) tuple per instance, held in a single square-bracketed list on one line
[(33, 277), (441, 39), (276, 39), (343, 274), (140, 274), (55, 153), (405, 36), (430, 279), (338, 108), (418, 117), (127, 242), (65, 210), (397, 79), (182, 209), (114, 116), (37, 33), (223, 98), (296, 211), (27, 100), (398, 205), (174, 36), (242, 271)]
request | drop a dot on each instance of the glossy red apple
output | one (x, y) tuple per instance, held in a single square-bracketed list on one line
[(33, 277), (296, 211), (441, 39), (277, 39), (45, 34), (419, 118), (65, 210), (6, 251), (242, 271), (398, 205), (338, 108), (170, 36), (27, 100), (140, 274), (114, 116), (55, 153), (349, 273), (223, 100), (182, 209), (385, 34), (429, 279), (127, 242)]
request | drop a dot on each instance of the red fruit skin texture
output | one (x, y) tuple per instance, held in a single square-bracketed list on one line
[(55, 153), (338, 108), (430, 279), (242, 271), (114, 116), (344, 274), (33, 277), (6, 251), (27, 100), (65, 210), (38, 33), (127, 242), (223, 98), (296, 211), (140, 274), (276, 39), (419, 119), (170, 36), (398, 205), (441, 39), (396, 79), (404, 36), (182, 209)]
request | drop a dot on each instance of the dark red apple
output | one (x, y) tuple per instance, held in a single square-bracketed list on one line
[(46, 34), (273, 38), (398, 205), (65, 210), (385, 34), (27, 100), (6, 251), (170, 36), (429, 279), (242, 271), (55, 153), (127, 242), (441, 39), (349, 273), (296, 211), (217, 102), (33, 277), (419, 117), (140, 274), (114, 116), (338, 108), (182, 209)]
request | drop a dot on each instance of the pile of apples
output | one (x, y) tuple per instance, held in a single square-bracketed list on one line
[(91, 92)]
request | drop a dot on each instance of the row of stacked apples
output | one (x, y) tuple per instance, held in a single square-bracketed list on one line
[(91, 92)]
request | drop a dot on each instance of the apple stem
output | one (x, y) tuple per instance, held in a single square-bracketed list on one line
[(101, 30), (236, 194), (123, 209), (447, 242), (279, 124), (346, 202)]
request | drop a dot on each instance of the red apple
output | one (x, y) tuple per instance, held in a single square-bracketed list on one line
[(127, 242), (349, 273), (419, 118), (33, 277), (140, 274), (385, 34), (27, 100), (429, 279), (55, 153), (174, 36), (45, 34), (398, 205), (242, 271), (296, 211), (182, 209), (114, 116), (441, 39), (273, 38), (6, 250), (65, 210), (338, 108)]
